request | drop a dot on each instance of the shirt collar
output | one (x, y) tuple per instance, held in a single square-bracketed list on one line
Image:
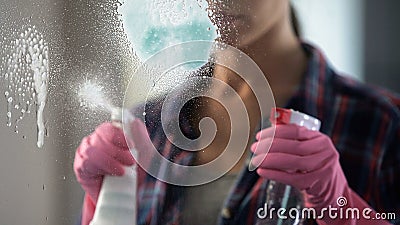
[(314, 94)]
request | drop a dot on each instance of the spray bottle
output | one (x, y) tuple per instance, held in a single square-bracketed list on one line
[(116, 204), (280, 195)]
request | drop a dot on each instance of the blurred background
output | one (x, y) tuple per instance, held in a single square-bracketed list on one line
[(92, 40)]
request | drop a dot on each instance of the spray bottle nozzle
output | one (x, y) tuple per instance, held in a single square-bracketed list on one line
[(116, 114)]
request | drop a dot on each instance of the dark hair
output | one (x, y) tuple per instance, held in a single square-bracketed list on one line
[(294, 21)]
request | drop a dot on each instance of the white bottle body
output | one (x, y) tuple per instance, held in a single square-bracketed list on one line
[(117, 200), (116, 204)]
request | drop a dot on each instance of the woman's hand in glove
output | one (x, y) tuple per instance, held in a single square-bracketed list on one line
[(309, 161), (104, 152)]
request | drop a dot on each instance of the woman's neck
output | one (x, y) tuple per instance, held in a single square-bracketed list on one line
[(281, 58)]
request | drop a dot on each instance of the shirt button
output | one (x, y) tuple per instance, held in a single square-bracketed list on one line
[(226, 213)]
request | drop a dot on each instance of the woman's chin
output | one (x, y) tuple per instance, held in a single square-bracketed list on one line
[(231, 40)]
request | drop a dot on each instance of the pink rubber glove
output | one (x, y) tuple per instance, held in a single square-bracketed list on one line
[(104, 152), (308, 161)]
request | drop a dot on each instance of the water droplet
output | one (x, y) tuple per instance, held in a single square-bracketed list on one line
[(10, 99), (44, 187), (24, 137), (9, 114)]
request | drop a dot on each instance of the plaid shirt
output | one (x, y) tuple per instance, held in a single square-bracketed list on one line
[(362, 121)]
